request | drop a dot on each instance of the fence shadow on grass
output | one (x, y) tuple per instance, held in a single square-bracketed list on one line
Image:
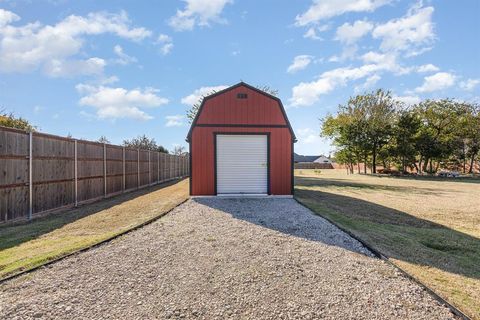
[(13, 234), (339, 182)]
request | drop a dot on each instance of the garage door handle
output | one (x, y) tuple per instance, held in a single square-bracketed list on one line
[(263, 164)]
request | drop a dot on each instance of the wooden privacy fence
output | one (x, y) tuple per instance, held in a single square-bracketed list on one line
[(313, 165), (41, 172)]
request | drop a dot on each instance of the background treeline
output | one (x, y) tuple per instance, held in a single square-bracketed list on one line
[(375, 129), (141, 142)]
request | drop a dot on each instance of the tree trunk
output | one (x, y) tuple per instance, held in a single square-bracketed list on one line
[(431, 169), (425, 165), (416, 167), (365, 164), (472, 163), (358, 167), (374, 158)]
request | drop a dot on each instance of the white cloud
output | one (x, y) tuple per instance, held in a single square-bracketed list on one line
[(166, 43), (123, 58), (388, 62), (307, 136), (109, 80), (56, 49), (7, 17), (324, 9), (408, 100), (438, 81), (410, 33), (69, 68), (427, 68), (299, 63), (348, 52), (195, 96), (311, 33), (112, 103), (369, 83), (198, 12), (174, 121), (308, 93), (350, 33), (469, 84)]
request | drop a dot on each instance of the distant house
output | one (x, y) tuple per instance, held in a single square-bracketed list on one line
[(318, 159), (300, 158), (323, 159), (312, 162)]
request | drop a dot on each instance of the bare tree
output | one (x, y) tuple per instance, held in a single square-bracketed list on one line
[(179, 150), (103, 139)]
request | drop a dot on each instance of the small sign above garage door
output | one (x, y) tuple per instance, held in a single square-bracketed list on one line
[(242, 164)]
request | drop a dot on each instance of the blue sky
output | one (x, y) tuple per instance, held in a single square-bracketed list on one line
[(124, 68)]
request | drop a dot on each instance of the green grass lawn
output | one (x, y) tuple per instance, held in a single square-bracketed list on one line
[(428, 227), (28, 245)]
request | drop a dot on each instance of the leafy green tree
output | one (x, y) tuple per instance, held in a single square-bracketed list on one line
[(380, 110), (12, 121), (347, 131), (143, 142), (405, 135), (437, 134), (471, 133)]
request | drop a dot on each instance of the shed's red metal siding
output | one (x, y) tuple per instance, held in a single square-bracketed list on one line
[(226, 108), (259, 113)]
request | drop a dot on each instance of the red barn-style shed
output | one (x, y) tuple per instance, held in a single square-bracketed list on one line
[(241, 143)]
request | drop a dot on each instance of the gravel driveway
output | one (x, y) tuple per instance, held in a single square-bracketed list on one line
[(223, 258)]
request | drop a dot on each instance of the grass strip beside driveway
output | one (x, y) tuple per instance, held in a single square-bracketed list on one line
[(28, 245), (430, 229)]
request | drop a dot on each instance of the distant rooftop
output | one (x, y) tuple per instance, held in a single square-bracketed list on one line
[(302, 158), (320, 159)]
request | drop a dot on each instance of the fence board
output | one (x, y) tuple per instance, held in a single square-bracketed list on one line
[(99, 172)]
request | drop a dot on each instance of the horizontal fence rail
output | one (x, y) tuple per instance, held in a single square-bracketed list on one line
[(41, 172), (313, 165)]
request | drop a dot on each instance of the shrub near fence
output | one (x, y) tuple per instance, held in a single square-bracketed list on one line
[(41, 172)]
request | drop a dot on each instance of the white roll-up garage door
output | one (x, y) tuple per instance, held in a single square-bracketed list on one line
[(242, 164)]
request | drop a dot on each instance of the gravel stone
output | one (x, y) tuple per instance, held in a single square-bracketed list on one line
[(216, 258)]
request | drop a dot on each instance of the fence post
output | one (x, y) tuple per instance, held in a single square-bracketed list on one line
[(30, 175), (123, 163), (76, 172), (158, 166), (138, 168), (104, 170), (149, 169)]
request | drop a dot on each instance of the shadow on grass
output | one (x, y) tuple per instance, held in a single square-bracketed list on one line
[(466, 179), (396, 234), (17, 233), (338, 182)]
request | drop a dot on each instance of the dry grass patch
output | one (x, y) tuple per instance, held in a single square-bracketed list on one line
[(429, 227), (25, 246)]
